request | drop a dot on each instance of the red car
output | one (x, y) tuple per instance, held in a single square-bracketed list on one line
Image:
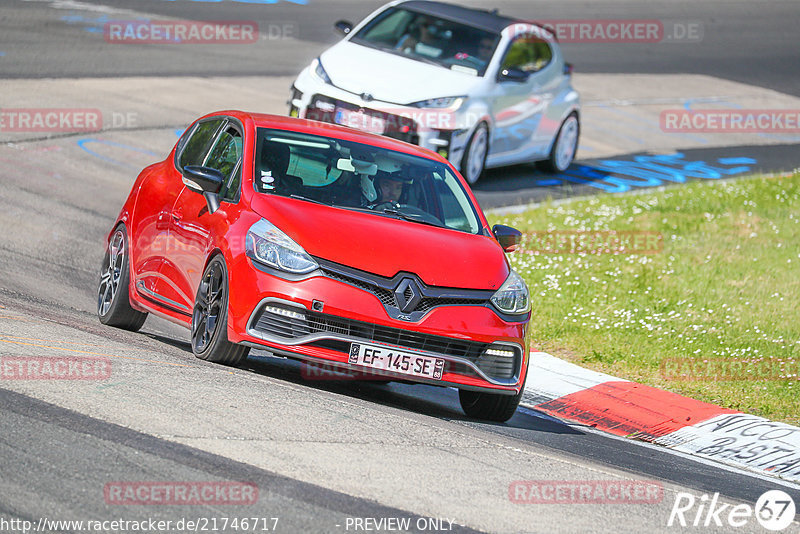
[(323, 244)]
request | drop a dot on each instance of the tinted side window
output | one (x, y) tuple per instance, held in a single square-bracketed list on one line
[(230, 189), (226, 152), (528, 54), (197, 146), (225, 156)]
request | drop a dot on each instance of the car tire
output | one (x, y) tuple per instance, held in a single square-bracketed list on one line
[(565, 146), (473, 161), (210, 318), (489, 406), (113, 291)]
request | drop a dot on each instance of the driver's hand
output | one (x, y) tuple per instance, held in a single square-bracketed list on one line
[(386, 204)]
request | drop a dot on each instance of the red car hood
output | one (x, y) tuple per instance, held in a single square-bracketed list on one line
[(386, 246)]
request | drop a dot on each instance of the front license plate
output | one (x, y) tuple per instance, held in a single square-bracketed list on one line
[(359, 121), (397, 361)]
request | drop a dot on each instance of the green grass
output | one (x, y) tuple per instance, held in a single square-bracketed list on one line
[(725, 285)]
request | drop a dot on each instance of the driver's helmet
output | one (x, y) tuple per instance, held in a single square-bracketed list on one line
[(389, 167)]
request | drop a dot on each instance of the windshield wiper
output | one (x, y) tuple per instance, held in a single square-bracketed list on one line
[(407, 217), (357, 208), (396, 213)]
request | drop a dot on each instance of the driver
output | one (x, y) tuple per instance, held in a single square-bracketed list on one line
[(389, 188), (389, 181)]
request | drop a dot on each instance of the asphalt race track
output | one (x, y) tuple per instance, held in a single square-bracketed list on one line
[(324, 456)]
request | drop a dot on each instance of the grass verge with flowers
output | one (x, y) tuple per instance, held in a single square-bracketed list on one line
[(723, 291)]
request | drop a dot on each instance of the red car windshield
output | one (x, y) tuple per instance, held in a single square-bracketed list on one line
[(362, 177)]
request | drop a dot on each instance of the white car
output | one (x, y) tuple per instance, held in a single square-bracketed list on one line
[(480, 89)]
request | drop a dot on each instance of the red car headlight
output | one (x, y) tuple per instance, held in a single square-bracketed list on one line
[(512, 297), (267, 244)]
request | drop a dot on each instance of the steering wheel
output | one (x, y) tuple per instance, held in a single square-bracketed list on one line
[(386, 205), (409, 211)]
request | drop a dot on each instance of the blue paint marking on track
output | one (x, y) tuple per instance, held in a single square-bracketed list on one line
[(687, 105), (90, 24), (619, 176), (83, 142), (737, 161), (545, 183)]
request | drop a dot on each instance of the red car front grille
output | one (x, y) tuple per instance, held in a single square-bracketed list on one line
[(337, 332), (381, 288)]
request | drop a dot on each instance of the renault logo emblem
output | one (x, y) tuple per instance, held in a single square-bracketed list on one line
[(407, 294)]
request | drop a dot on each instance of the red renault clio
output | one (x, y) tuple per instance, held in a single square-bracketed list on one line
[(324, 244)]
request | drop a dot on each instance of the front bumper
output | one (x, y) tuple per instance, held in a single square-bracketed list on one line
[(441, 131), (316, 318)]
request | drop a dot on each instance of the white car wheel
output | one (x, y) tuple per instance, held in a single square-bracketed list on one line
[(475, 155)]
